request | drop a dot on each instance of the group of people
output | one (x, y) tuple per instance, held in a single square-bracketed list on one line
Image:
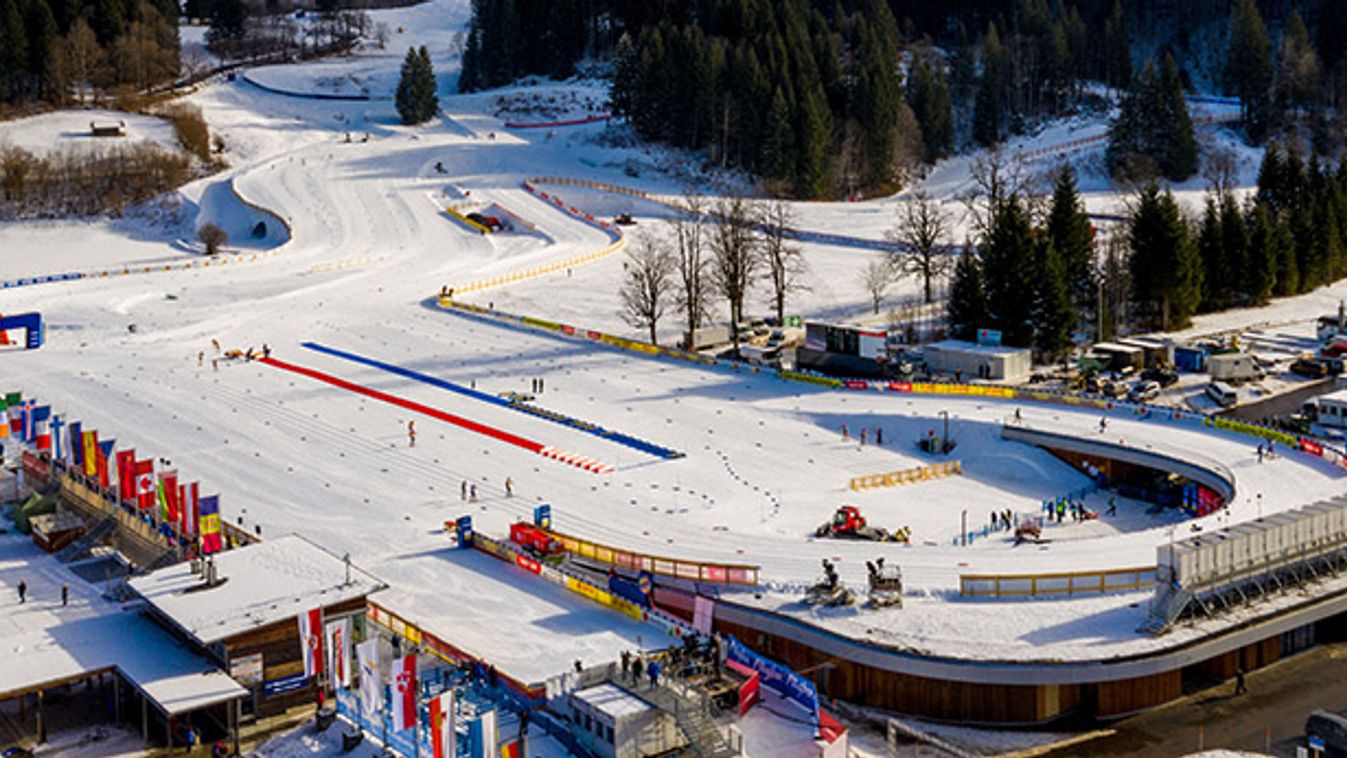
[(1064, 507), (633, 667), (864, 435), (1002, 521), (248, 355)]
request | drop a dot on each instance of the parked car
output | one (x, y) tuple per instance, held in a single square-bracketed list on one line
[(1114, 388), (1309, 367), (1163, 377), (1144, 392), (1329, 727)]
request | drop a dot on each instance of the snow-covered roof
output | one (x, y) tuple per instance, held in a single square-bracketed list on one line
[(44, 642), (1339, 396), (972, 347), (264, 583), (612, 701)]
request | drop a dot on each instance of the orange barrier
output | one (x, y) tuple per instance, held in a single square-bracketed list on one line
[(1060, 583), (907, 476)]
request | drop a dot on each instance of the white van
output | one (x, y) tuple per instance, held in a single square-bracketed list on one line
[(1223, 394)]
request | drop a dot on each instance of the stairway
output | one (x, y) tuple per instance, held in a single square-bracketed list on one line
[(92, 536), (691, 711)]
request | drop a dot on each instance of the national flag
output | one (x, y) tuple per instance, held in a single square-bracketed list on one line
[(91, 453), (311, 641), (58, 445), (104, 453), (442, 738), (14, 407), (337, 647), (4, 416), (143, 483), (41, 435), (208, 520), (404, 692), (371, 682), (190, 517), (76, 447), (168, 497), (510, 750), (126, 461), (26, 421)]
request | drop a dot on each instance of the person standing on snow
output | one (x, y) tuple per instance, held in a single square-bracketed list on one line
[(411, 433), (509, 487), (23, 591)]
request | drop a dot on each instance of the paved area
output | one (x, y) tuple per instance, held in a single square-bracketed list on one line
[(1270, 718)]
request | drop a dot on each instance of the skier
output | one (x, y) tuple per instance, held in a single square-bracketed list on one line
[(200, 358), (845, 435), (65, 594), (266, 350), (463, 490), (863, 435), (411, 433), (1260, 452), (215, 344), (1017, 415), (636, 669), (1240, 687), (215, 364), (879, 436), (540, 385), (1103, 424), (653, 671), (509, 487), (472, 493), (1113, 506), (23, 591), (626, 662)]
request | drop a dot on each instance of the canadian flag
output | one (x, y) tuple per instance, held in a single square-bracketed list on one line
[(442, 725), (143, 474), (404, 693), (311, 641)]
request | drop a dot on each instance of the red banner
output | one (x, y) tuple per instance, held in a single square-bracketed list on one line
[(527, 563)]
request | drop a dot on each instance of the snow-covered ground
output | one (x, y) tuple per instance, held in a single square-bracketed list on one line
[(69, 130), (371, 245)]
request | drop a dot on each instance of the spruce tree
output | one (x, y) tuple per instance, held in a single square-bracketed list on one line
[(416, 100), (1210, 250), (989, 105), (1298, 69), (813, 166), (1008, 271), (1260, 277), (778, 145), (1288, 269), (1178, 146), (1234, 250), (966, 310), (1270, 179), (1072, 238), (1116, 69), (1165, 268), (1248, 67), (42, 66), (928, 96), (1054, 317)]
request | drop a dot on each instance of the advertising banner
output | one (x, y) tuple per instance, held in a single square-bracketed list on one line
[(776, 677)]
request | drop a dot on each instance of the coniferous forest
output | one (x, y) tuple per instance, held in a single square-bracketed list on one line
[(830, 98)]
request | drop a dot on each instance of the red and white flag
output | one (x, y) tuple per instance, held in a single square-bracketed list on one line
[(442, 725), (143, 474), (311, 641), (404, 692), (339, 651)]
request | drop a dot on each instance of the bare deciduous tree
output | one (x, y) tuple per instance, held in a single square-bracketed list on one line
[(922, 226), (785, 263), (688, 226), (83, 56), (734, 253), (213, 237), (647, 284), (877, 277), (996, 177)]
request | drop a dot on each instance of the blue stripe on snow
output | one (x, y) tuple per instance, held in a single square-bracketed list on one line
[(533, 410)]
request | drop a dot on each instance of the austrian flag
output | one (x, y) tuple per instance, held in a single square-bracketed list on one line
[(404, 693), (311, 641)]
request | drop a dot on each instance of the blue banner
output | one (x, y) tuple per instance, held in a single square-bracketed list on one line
[(284, 684), (776, 677)]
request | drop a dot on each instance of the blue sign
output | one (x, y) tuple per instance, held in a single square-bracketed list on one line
[(463, 528), (991, 337), (1317, 743), (31, 323), (542, 516), (284, 684), (780, 679)]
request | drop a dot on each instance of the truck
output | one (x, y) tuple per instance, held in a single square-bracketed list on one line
[(707, 337), (535, 540), (1233, 367)]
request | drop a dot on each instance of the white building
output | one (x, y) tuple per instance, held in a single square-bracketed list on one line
[(1332, 409), (614, 723), (971, 361)]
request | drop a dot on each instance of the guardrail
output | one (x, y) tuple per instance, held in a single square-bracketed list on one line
[(720, 573), (1057, 583), (906, 476)]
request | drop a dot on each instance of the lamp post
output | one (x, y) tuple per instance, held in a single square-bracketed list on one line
[(1260, 506), (944, 439), (963, 528)]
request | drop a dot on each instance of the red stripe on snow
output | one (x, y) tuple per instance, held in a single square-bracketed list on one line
[(469, 424)]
